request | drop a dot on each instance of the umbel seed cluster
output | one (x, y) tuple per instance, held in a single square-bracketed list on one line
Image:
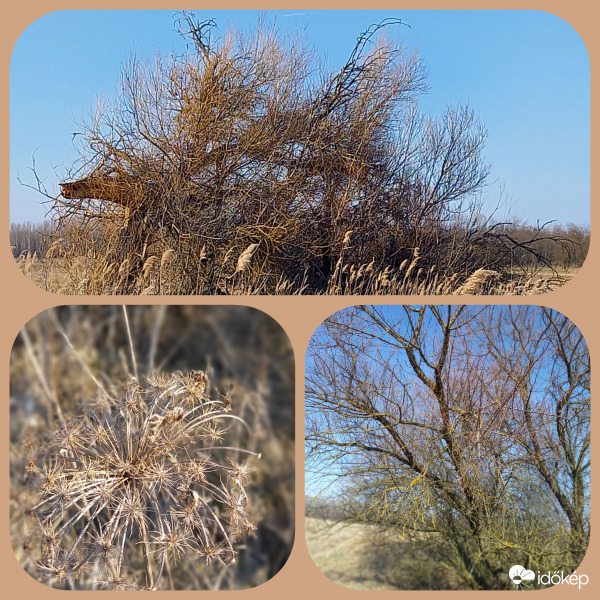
[(129, 485)]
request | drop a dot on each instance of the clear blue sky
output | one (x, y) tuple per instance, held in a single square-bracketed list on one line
[(524, 73)]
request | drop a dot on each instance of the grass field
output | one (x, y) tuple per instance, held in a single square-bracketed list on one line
[(368, 557), (91, 276), (565, 274), (338, 551)]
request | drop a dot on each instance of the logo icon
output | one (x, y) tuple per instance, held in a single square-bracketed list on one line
[(519, 575)]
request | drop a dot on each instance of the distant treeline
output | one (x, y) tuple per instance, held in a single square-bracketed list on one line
[(562, 246), (331, 509), (31, 237)]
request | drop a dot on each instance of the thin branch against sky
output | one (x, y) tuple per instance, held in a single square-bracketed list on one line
[(360, 351), (524, 73)]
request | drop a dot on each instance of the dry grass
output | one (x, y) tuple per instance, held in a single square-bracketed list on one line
[(369, 557), (559, 276), (338, 551), (96, 274)]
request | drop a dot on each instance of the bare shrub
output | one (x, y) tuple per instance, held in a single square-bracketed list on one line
[(249, 141)]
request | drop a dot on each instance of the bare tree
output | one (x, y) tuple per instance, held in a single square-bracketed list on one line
[(467, 428), (547, 357), (30, 237)]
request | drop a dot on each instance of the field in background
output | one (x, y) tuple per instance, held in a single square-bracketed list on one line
[(338, 549), (369, 557), (89, 275), (565, 274)]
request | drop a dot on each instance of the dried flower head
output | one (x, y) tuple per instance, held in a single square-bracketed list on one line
[(138, 483), (245, 257), (474, 284)]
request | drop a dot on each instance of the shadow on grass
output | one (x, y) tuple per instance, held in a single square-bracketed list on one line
[(406, 564)]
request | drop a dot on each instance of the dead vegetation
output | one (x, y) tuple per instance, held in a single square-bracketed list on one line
[(145, 474), (364, 556), (245, 167), (94, 273)]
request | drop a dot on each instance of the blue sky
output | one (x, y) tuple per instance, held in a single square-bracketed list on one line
[(524, 73)]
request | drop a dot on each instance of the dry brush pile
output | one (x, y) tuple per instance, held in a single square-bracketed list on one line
[(254, 169), (166, 480)]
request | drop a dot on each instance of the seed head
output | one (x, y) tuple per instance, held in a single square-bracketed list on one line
[(139, 476)]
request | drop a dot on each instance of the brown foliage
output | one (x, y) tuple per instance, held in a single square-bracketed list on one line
[(250, 141)]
